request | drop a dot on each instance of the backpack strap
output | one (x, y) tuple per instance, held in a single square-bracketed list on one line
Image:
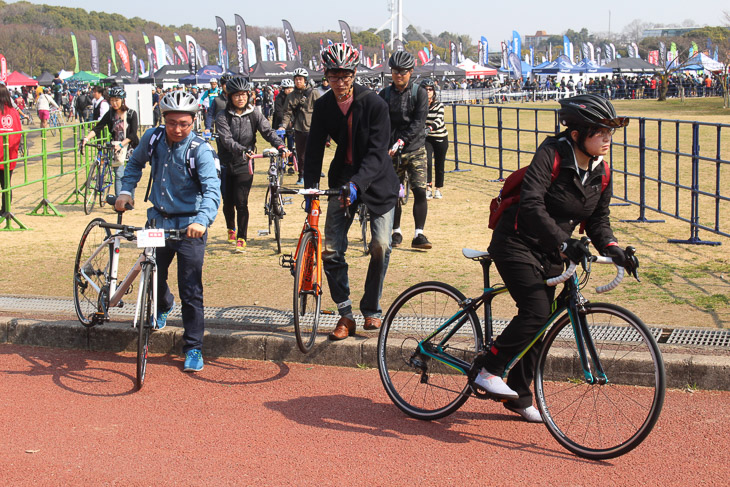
[(151, 146)]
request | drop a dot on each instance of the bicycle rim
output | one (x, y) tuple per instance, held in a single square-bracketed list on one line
[(144, 325), (307, 294), (601, 421), (90, 190), (419, 384), (86, 297), (277, 233)]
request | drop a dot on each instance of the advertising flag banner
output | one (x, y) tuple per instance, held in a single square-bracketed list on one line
[(281, 49), (566, 46), (3, 69), (292, 48), (94, 53), (636, 49), (177, 37), (251, 52), (346, 34), (203, 52), (430, 50), (123, 52), (181, 54), (146, 39), (515, 65), (169, 55), (76, 52), (591, 52), (662, 54), (109, 66), (114, 58), (272, 52), (517, 43), (151, 56), (242, 46), (613, 51), (452, 49), (192, 48), (222, 43), (398, 45), (135, 66), (532, 56), (264, 48), (422, 56), (160, 53), (630, 50)]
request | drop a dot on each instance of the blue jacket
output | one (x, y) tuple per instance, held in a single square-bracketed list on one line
[(174, 193)]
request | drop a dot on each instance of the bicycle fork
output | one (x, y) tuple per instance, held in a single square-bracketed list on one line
[(584, 341)]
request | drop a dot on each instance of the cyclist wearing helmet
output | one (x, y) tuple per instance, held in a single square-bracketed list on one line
[(408, 136), (357, 120), (298, 112), (182, 198), (207, 97), (237, 126), (122, 124), (533, 237), (286, 87), (217, 105)]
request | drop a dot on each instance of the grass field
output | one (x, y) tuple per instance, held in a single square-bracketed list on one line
[(682, 285)]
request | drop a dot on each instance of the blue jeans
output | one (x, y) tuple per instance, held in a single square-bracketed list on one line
[(118, 175), (190, 254), (335, 265)]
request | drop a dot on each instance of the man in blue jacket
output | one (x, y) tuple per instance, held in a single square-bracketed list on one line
[(183, 197), (356, 118)]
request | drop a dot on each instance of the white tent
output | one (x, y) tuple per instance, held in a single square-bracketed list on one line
[(473, 69), (702, 61), (65, 74)]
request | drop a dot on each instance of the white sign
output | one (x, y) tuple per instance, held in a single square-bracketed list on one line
[(150, 237)]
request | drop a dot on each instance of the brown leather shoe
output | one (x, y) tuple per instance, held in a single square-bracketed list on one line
[(345, 328), (372, 323)]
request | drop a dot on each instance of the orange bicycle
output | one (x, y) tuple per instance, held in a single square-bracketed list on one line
[(306, 267)]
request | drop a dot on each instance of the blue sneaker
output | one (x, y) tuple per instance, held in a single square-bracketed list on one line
[(193, 360), (161, 318)]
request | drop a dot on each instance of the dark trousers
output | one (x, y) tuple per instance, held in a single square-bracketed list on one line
[(533, 297), (190, 253), (235, 204), (436, 157), (300, 140), (9, 195)]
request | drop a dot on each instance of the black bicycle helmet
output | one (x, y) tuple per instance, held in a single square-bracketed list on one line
[(401, 60), (225, 79), (117, 92), (428, 83), (237, 84), (340, 56), (590, 110)]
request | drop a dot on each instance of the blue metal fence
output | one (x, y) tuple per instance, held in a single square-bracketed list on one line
[(675, 168)]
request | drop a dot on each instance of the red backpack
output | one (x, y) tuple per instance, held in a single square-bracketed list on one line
[(510, 192)]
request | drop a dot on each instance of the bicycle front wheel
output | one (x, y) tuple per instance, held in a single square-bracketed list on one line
[(95, 262), (107, 181), (144, 324), (92, 186), (600, 421), (307, 293), (414, 369)]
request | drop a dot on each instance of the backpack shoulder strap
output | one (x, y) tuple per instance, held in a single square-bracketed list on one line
[(151, 146), (387, 94), (414, 93), (192, 152), (606, 176)]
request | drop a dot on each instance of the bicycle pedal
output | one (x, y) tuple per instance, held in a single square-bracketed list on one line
[(264, 233), (287, 261)]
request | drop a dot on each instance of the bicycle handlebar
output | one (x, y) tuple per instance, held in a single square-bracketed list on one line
[(271, 152), (99, 146), (620, 272), (312, 191)]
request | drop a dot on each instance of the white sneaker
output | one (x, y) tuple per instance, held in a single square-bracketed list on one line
[(494, 385), (429, 195), (437, 194), (530, 414)]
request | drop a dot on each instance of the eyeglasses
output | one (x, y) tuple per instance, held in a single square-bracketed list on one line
[(604, 133), (401, 72), (181, 125), (340, 79), (429, 89)]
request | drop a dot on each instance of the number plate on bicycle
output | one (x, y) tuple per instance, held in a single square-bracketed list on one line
[(150, 237)]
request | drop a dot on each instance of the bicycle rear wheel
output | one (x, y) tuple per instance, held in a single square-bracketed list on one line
[(96, 265), (92, 185), (421, 385), (278, 209), (144, 324), (307, 293), (601, 421), (107, 181)]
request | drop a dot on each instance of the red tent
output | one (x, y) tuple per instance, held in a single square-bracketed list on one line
[(18, 79), (475, 70)]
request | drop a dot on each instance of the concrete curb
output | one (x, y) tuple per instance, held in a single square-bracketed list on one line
[(683, 370)]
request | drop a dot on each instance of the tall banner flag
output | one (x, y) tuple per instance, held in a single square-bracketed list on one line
[(242, 46), (459, 54), (566, 47), (291, 41), (636, 49), (151, 56), (169, 55), (94, 54), (714, 56), (251, 52), (485, 51), (430, 51), (346, 34), (532, 56), (3, 69), (272, 52), (222, 43), (607, 53), (550, 52), (630, 50), (423, 56), (123, 52), (114, 58), (517, 44), (591, 52), (192, 48), (515, 65), (613, 52), (135, 65), (264, 48), (181, 54), (109, 65), (672, 54), (76, 52), (662, 54), (382, 50), (146, 39), (160, 54), (694, 49), (177, 37), (281, 49), (452, 49), (505, 49), (203, 55)]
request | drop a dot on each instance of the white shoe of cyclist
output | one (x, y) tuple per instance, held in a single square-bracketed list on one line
[(494, 385), (530, 414)]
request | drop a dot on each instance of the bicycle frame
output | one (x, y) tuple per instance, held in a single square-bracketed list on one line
[(311, 225)]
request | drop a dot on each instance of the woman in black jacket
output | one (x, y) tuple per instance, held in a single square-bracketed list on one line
[(533, 238), (237, 126), (122, 124)]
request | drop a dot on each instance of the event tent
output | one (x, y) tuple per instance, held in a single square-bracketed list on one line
[(45, 79), (526, 69), (204, 75), (633, 65), (702, 61), (121, 76), (439, 68), (586, 66), (167, 75), (18, 79), (87, 76), (473, 69), (273, 71), (560, 65)]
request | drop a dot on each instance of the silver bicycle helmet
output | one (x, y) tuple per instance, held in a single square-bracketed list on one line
[(179, 101), (117, 92), (237, 84), (300, 72), (287, 83), (340, 56), (401, 60)]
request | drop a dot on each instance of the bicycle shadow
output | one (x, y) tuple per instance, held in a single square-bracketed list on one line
[(239, 373)]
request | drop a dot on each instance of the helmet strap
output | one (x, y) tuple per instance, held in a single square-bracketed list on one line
[(346, 95)]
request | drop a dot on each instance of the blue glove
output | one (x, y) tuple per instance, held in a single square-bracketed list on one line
[(307, 203), (353, 192)]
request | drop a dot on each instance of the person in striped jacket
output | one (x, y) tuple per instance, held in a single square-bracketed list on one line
[(437, 141)]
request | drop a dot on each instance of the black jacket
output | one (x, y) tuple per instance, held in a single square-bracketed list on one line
[(237, 134), (132, 126), (372, 169), (407, 116), (549, 212)]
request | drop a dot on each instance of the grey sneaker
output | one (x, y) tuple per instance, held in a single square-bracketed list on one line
[(530, 413), (494, 385), (437, 194), (421, 242)]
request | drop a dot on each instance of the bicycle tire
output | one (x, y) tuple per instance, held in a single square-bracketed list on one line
[(277, 232), (418, 384), (144, 325), (364, 216), (609, 420), (91, 190), (307, 302), (87, 300), (107, 181)]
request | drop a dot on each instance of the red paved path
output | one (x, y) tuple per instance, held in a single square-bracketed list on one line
[(71, 417)]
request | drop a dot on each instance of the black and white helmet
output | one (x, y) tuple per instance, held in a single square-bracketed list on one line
[(287, 83), (300, 72), (179, 101), (589, 110), (401, 60), (117, 92), (237, 84), (340, 56)]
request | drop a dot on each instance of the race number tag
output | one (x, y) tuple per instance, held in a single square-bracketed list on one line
[(150, 237)]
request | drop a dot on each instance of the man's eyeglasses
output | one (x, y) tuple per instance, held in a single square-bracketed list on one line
[(181, 125), (401, 72), (340, 79)]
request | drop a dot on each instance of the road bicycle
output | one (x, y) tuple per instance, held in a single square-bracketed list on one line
[(431, 345), (273, 202), (101, 176), (53, 122), (306, 267), (28, 117), (405, 187), (95, 277)]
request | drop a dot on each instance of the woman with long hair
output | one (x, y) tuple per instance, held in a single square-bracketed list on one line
[(9, 122), (122, 124), (437, 141)]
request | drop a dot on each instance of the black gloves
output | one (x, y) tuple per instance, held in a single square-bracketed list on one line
[(575, 250), (617, 254)]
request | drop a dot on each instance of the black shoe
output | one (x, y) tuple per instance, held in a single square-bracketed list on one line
[(290, 171), (396, 240), (421, 242)]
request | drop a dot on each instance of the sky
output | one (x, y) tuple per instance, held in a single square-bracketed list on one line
[(491, 19)]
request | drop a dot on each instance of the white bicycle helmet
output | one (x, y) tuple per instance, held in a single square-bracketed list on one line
[(179, 101), (287, 83), (300, 72)]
